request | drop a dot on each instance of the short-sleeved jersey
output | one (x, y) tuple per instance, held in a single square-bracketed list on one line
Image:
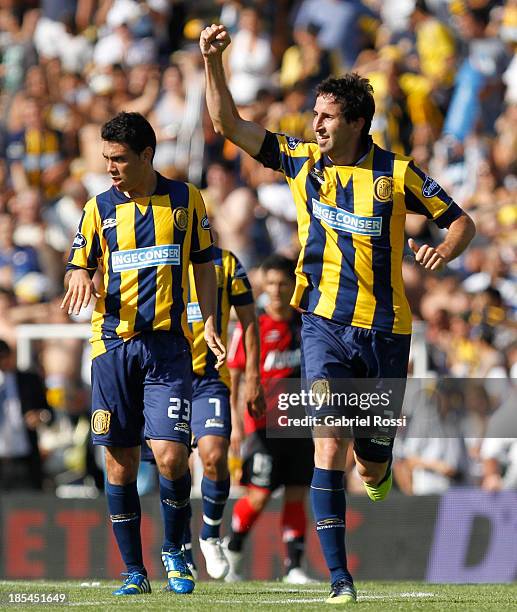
[(233, 289), (280, 357), (351, 229), (143, 248)]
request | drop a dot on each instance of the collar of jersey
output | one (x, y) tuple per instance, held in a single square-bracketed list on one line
[(329, 162), (120, 197)]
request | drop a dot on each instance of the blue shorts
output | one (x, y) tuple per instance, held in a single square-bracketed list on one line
[(144, 383), (335, 351), (211, 415)]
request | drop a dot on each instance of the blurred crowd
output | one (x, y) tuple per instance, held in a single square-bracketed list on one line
[(445, 79)]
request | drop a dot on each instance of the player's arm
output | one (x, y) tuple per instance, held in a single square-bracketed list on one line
[(82, 262), (459, 235), (206, 289), (423, 195), (237, 434), (247, 135), (254, 393)]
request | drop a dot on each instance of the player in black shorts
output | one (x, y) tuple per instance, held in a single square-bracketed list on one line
[(270, 463)]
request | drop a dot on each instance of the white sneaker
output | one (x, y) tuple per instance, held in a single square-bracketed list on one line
[(217, 565), (297, 576), (235, 561)]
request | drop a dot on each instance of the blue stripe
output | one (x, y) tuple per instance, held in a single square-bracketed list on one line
[(107, 210), (348, 285), (292, 165), (384, 315), (145, 236), (179, 197), (313, 253)]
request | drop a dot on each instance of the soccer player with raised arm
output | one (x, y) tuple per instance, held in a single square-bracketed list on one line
[(141, 236), (352, 198)]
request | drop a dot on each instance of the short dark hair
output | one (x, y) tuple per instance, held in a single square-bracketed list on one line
[(355, 95), (130, 129), (279, 262)]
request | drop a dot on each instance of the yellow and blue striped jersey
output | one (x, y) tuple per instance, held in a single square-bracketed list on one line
[(233, 289), (143, 248), (351, 229)]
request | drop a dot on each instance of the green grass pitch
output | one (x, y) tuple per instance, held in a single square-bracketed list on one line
[(266, 596)]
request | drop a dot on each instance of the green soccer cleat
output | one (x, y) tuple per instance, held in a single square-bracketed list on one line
[(342, 593), (135, 584), (380, 492)]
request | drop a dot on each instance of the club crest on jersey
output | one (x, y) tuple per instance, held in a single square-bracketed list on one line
[(292, 142), (181, 218), (383, 188), (107, 223), (430, 188), (318, 174), (205, 223), (79, 241), (101, 422)]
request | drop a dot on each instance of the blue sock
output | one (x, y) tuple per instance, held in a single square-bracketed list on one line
[(214, 494), (328, 507), (187, 538), (124, 509), (174, 498)]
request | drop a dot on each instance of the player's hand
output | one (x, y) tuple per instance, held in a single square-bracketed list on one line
[(79, 293), (254, 398), (428, 257), (215, 344), (213, 40)]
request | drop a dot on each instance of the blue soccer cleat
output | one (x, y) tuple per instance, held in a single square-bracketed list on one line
[(179, 576), (135, 584), (342, 593)]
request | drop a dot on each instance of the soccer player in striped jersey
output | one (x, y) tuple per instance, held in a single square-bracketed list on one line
[(141, 236), (211, 409), (352, 198)]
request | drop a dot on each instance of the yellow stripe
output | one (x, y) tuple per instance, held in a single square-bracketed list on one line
[(402, 320), (363, 266), (175, 574), (163, 223), (332, 256), (125, 215)]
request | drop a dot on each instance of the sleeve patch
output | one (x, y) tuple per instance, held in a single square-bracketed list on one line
[(430, 188), (292, 142), (205, 223), (79, 241)]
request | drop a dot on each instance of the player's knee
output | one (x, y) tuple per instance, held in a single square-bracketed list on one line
[(371, 474), (171, 459), (215, 464), (122, 465), (258, 498), (329, 453)]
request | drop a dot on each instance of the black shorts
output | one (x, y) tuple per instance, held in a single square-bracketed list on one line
[(271, 462)]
